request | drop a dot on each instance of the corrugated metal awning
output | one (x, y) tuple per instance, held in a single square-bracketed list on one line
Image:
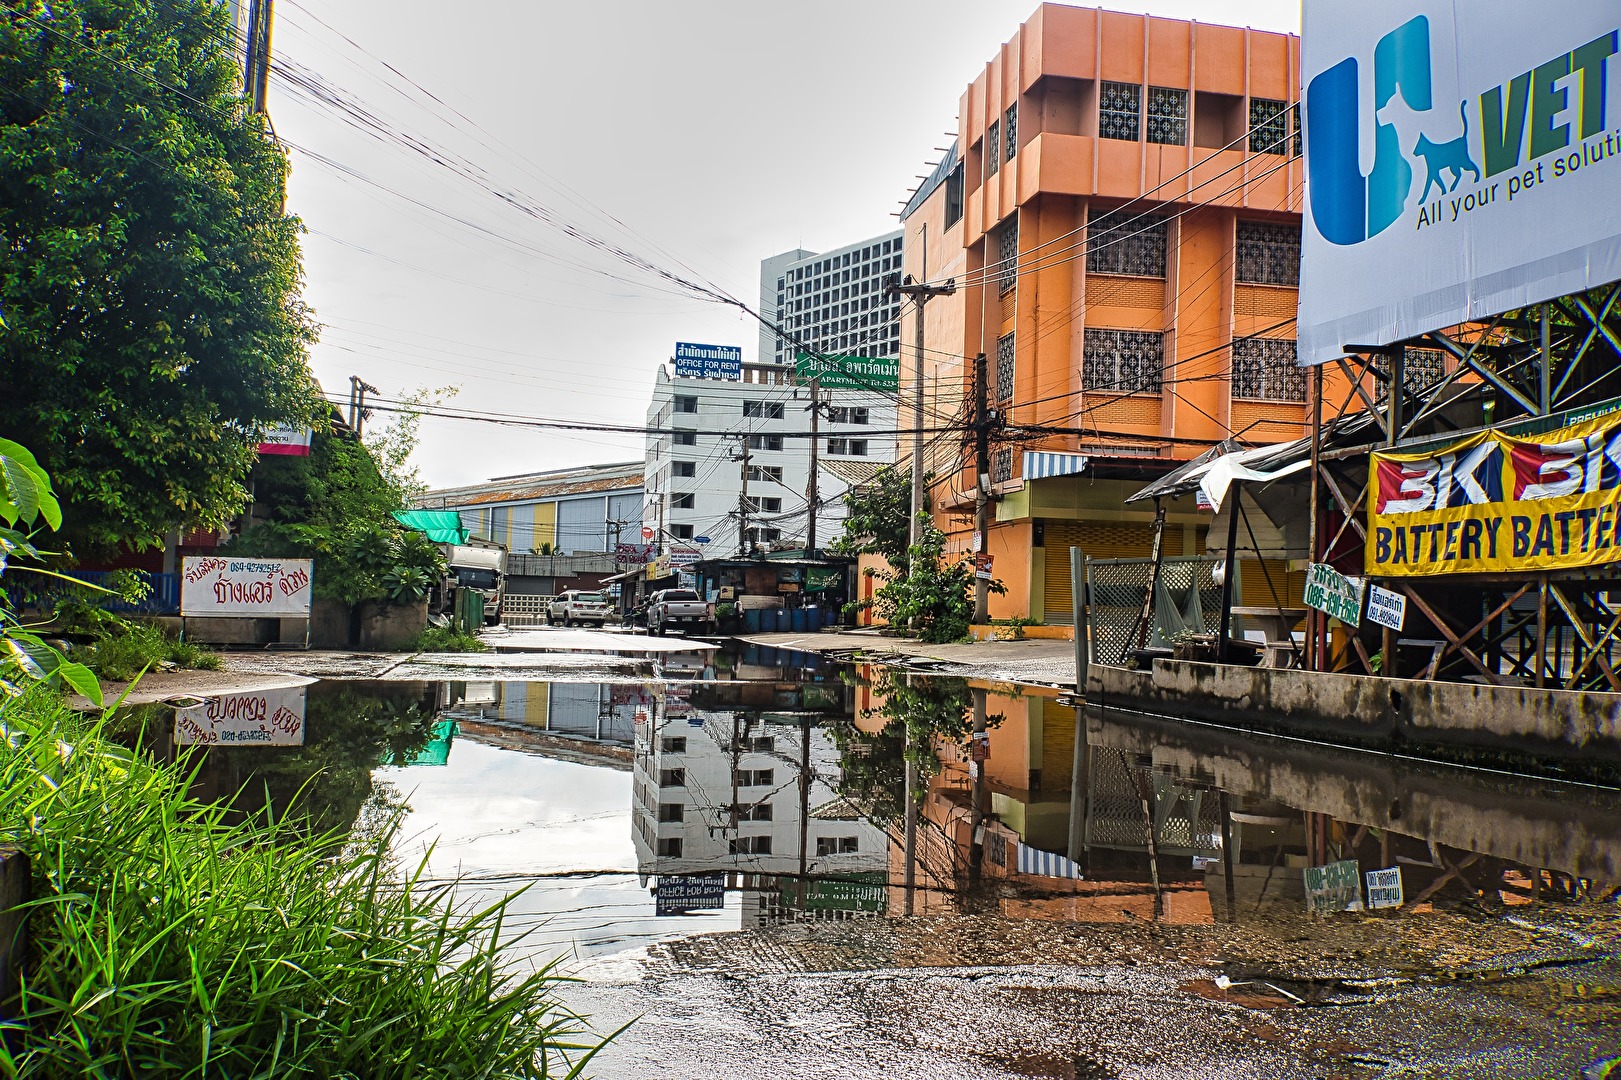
[(1040, 464)]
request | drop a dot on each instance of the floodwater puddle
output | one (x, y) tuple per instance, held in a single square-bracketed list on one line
[(721, 851)]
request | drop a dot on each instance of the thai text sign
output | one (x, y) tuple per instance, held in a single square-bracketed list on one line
[(693, 892), (1334, 594), (1386, 608), (1384, 888), (294, 441), (708, 361), (1462, 160), (272, 717), (1494, 502), (849, 372), (1332, 888), (245, 588)]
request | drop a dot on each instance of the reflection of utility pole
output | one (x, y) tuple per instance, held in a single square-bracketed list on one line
[(910, 856), (920, 294), (976, 834), (982, 480), (804, 805)]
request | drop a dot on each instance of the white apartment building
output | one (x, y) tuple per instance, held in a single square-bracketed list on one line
[(833, 301), (702, 427)]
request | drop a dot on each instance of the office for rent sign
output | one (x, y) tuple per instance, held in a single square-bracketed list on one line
[(1494, 502), (246, 588), (1462, 159)]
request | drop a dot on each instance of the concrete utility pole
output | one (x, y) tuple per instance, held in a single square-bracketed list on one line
[(920, 294), (743, 501), (982, 483), (810, 488), (358, 389), (256, 69)]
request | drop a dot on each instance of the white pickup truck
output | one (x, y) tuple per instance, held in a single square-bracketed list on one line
[(679, 608), (575, 606)]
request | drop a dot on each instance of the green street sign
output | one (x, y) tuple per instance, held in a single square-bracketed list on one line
[(849, 372)]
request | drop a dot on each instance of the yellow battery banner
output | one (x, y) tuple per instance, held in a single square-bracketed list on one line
[(1495, 503)]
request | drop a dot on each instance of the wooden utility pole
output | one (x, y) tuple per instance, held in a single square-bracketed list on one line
[(982, 481)]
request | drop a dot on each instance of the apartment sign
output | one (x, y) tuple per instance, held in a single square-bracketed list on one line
[(696, 361), (246, 588), (1461, 159), (878, 373)]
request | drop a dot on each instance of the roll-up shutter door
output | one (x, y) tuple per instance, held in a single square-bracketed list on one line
[(1099, 540)]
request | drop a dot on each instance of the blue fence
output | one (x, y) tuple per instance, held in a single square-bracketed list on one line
[(164, 598)]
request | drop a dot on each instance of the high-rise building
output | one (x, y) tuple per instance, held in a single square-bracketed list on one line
[(833, 301), (1121, 214)]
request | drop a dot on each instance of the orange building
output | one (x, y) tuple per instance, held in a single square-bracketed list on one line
[(1121, 217)]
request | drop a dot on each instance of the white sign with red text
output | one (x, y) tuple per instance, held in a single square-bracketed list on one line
[(245, 588), (272, 717)]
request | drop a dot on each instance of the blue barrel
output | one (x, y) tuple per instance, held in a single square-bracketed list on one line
[(751, 620), (830, 616), (781, 624), (798, 620)]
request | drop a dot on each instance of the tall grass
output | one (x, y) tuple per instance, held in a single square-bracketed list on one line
[(173, 939)]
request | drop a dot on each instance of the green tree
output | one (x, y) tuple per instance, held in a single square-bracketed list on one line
[(878, 518), (393, 443), (148, 271), (934, 597)]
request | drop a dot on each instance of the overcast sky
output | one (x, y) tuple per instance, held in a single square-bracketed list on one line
[(700, 136)]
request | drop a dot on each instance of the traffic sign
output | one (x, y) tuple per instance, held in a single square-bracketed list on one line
[(700, 540)]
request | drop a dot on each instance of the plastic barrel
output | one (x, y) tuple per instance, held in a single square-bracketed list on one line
[(751, 621), (797, 621)]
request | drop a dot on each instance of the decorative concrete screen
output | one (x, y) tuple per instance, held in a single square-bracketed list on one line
[(1462, 160)]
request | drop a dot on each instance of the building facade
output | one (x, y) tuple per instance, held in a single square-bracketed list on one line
[(1121, 213), (703, 427), (586, 510), (832, 302)]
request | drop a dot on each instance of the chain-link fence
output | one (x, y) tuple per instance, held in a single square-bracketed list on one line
[(1187, 601)]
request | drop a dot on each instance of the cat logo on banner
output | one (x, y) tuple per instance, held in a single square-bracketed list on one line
[(1494, 502)]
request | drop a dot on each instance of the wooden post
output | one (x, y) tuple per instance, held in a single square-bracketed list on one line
[(1235, 494), (1315, 620)]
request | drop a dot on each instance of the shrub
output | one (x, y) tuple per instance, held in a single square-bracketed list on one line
[(122, 650), (179, 938), (447, 639)]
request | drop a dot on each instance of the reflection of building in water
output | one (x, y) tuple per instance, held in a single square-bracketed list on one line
[(603, 712), (738, 777)]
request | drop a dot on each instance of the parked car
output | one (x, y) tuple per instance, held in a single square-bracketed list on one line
[(682, 609), (576, 606)]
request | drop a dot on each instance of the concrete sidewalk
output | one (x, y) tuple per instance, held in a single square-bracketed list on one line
[(1040, 662)]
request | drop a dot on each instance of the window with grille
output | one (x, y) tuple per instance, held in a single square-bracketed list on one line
[(993, 148), (1167, 116), (1001, 466), (1423, 367), (1119, 110), (1125, 242), (766, 472), (996, 849), (1007, 256), (1128, 361), (1265, 368), (1294, 111), (1012, 130), (1268, 254), (682, 502), (1269, 126), (1004, 368), (954, 198)]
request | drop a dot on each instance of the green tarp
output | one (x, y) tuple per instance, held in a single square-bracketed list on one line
[(440, 526)]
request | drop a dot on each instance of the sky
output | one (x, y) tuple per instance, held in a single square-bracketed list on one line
[(457, 232)]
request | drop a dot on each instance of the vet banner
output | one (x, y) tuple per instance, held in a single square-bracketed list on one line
[(1494, 502), (1462, 159)]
